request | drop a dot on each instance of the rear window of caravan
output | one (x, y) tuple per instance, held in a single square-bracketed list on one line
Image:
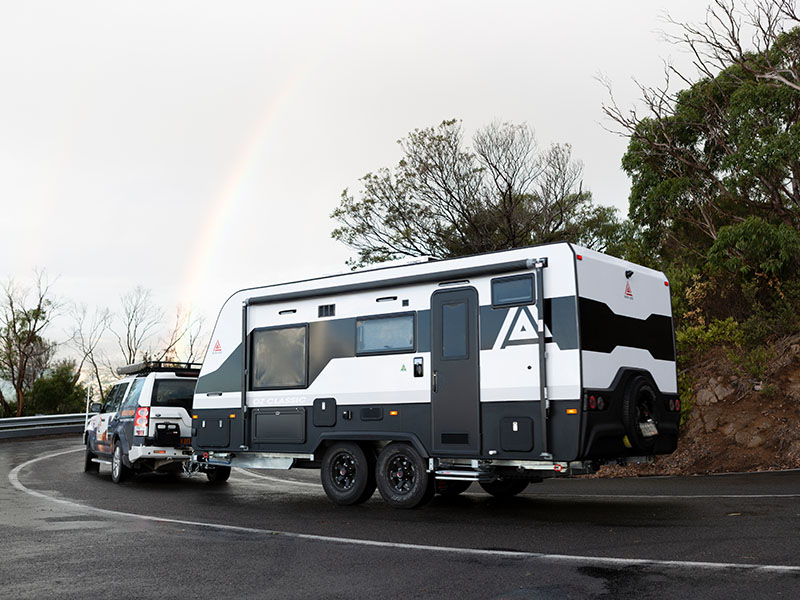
[(279, 358), (513, 291)]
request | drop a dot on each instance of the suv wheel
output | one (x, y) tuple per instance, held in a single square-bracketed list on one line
[(119, 472)]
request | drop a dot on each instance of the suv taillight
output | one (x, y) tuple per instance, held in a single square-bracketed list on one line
[(140, 424)]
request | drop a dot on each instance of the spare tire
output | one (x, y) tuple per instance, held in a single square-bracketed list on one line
[(639, 414)]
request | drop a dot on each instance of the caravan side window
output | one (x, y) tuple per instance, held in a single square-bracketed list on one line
[(385, 334), (279, 358), (513, 291)]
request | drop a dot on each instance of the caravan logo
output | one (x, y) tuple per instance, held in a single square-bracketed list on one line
[(522, 329), (628, 292), (217, 348)]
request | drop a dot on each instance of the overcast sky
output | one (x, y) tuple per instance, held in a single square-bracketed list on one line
[(197, 147)]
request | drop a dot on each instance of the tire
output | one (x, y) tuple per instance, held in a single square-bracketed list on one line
[(218, 475), (451, 489), (402, 478), (638, 406), (119, 472), (89, 466), (347, 474), (505, 488)]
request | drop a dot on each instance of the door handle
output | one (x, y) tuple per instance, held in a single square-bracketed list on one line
[(435, 382)]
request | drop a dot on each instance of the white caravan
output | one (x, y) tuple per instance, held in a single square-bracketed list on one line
[(430, 375)]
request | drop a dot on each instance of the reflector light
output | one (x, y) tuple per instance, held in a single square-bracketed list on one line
[(677, 404), (572, 411), (159, 451), (592, 402), (194, 416), (666, 283), (232, 416), (579, 257), (393, 413)]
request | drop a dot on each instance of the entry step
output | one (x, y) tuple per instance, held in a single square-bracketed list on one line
[(463, 475), (100, 461)]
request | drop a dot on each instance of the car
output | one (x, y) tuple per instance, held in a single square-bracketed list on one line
[(144, 424)]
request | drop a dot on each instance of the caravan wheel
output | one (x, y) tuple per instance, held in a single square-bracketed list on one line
[(402, 478), (347, 474), (638, 414)]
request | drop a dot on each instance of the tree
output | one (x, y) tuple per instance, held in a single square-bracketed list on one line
[(715, 169), (87, 333), (57, 391), (24, 353), (727, 147), (140, 320), (722, 39), (443, 199)]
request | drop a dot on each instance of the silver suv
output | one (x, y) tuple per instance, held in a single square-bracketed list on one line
[(145, 425)]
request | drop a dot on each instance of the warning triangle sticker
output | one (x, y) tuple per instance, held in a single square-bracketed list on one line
[(628, 292), (217, 347)]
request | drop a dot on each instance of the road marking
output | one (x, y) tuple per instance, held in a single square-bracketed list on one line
[(277, 479), (13, 477)]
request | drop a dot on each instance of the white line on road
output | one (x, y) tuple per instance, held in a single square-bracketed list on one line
[(13, 477)]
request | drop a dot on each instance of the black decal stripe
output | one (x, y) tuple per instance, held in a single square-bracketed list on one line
[(602, 330)]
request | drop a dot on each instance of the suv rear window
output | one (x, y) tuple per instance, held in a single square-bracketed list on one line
[(173, 392)]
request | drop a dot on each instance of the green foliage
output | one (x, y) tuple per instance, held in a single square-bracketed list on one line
[(756, 248), (56, 392), (693, 341), (753, 363)]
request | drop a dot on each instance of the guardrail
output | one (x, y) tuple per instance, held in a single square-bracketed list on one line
[(46, 425)]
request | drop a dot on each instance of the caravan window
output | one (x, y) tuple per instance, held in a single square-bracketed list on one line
[(512, 291), (279, 358), (385, 334)]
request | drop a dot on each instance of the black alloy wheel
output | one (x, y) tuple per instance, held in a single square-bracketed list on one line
[(347, 474), (402, 477)]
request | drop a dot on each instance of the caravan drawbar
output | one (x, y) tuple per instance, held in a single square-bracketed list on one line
[(501, 368)]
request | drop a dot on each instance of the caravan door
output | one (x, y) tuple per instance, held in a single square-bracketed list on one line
[(455, 376)]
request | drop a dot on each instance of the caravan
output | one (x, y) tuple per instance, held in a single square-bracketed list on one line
[(501, 369)]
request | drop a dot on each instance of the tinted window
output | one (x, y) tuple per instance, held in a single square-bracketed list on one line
[(385, 334), (510, 291), (173, 392), (454, 330), (279, 358), (133, 396), (115, 397)]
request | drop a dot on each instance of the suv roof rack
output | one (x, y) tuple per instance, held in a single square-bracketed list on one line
[(152, 366)]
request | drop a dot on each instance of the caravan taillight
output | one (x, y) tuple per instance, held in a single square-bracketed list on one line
[(140, 424)]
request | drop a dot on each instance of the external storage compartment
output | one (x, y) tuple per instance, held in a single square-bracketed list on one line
[(212, 432), (324, 414), (516, 434), (285, 425)]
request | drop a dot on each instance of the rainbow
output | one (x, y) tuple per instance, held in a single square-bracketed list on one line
[(209, 238)]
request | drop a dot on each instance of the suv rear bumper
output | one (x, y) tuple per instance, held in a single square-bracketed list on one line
[(158, 453)]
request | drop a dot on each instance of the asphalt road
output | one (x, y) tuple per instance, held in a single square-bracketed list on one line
[(272, 534)]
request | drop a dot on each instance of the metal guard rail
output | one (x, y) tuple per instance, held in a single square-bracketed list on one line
[(43, 425)]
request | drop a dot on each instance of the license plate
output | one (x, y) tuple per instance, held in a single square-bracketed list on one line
[(648, 429)]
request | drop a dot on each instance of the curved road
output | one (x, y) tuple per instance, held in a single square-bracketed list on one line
[(273, 534)]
